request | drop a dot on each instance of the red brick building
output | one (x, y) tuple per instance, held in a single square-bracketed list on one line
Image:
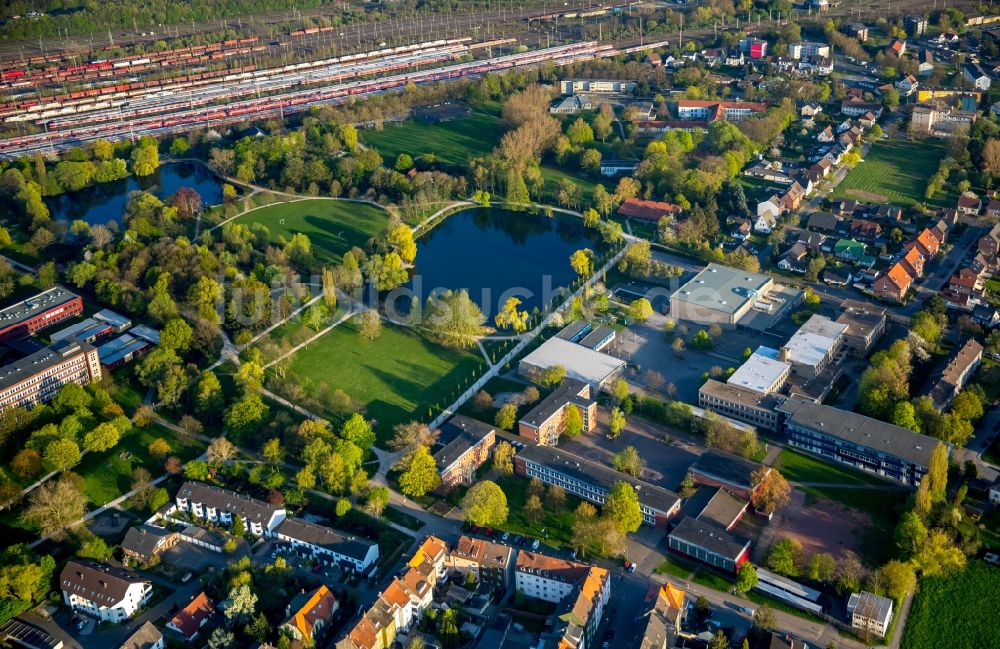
[(36, 313)]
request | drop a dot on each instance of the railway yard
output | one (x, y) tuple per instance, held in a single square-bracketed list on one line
[(66, 97)]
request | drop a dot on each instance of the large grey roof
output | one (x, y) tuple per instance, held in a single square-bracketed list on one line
[(721, 288), (145, 637), (224, 500), (144, 539), (650, 495), (567, 392), (325, 537), (36, 363), (724, 467), (580, 362), (32, 306), (462, 434), (858, 429), (706, 534), (101, 583)]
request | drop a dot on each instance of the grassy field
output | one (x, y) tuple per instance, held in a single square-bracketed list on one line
[(454, 142), (108, 475), (398, 377), (949, 611), (333, 227), (894, 171), (800, 467)]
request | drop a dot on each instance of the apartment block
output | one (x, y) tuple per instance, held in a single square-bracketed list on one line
[(320, 542), (108, 593), (547, 421), (220, 506), (467, 446)]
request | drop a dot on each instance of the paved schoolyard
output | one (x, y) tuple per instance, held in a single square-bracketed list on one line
[(819, 524), (647, 347)]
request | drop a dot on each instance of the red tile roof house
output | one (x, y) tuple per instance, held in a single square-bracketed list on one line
[(635, 208), (969, 205), (190, 619), (926, 242), (913, 261), (893, 283), (309, 614), (966, 282), (865, 230)]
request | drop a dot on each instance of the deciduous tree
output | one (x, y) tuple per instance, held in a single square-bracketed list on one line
[(422, 475), (628, 462), (622, 506), (485, 504), (56, 504)]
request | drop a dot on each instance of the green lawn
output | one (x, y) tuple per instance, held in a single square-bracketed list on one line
[(398, 377), (555, 529), (333, 227), (552, 176), (108, 475), (799, 467), (454, 142), (895, 171), (953, 611)]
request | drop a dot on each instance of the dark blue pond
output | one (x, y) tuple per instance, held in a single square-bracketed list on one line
[(496, 254), (104, 202)]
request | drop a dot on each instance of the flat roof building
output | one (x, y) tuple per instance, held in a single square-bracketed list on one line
[(870, 612), (37, 378), (718, 469), (593, 482), (581, 363), (36, 313), (762, 372), (868, 444), (865, 325), (749, 406), (814, 346), (719, 294), (118, 321)]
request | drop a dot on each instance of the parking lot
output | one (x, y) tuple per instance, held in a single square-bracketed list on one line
[(647, 347)]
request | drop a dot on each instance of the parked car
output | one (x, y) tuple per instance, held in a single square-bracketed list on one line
[(506, 535), (630, 567), (535, 544), (747, 610)]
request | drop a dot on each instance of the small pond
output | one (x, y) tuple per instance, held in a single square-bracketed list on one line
[(104, 202)]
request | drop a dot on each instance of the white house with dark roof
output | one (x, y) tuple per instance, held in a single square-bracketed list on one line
[(322, 542), (870, 612), (219, 505), (106, 592)]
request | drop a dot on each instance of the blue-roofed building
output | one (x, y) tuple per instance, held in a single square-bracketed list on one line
[(118, 321), (148, 334), (88, 331), (121, 350)]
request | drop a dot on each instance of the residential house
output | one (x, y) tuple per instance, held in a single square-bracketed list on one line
[(660, 626), (907, 85), (993, 208), (989, 245), (188, 621), (893, 283), (858, 108), (544, 423), (580, 593), (949, 215), (926, 66), (926, 242), (974, 74), (806, 49), (969, 205), (868, 120), (712, 56), (890, 214), (755, 47), (766, 222), (915, 25), (940, 230), (492, 564), (106, 592), (143, 542), (986, 316), (838, 277), (826, 135), (220, 505), (146, 636), (792, 198), (734, 58), (896, 47), (867, 231), (467, 445), (310, 615), (651, 211), (913, 262), (795, 259), (967, 281), (347, 552), (742, 230), (960, 367), (823, 222), (811, 109), (813, 241), (870, 612), (857, 30)]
